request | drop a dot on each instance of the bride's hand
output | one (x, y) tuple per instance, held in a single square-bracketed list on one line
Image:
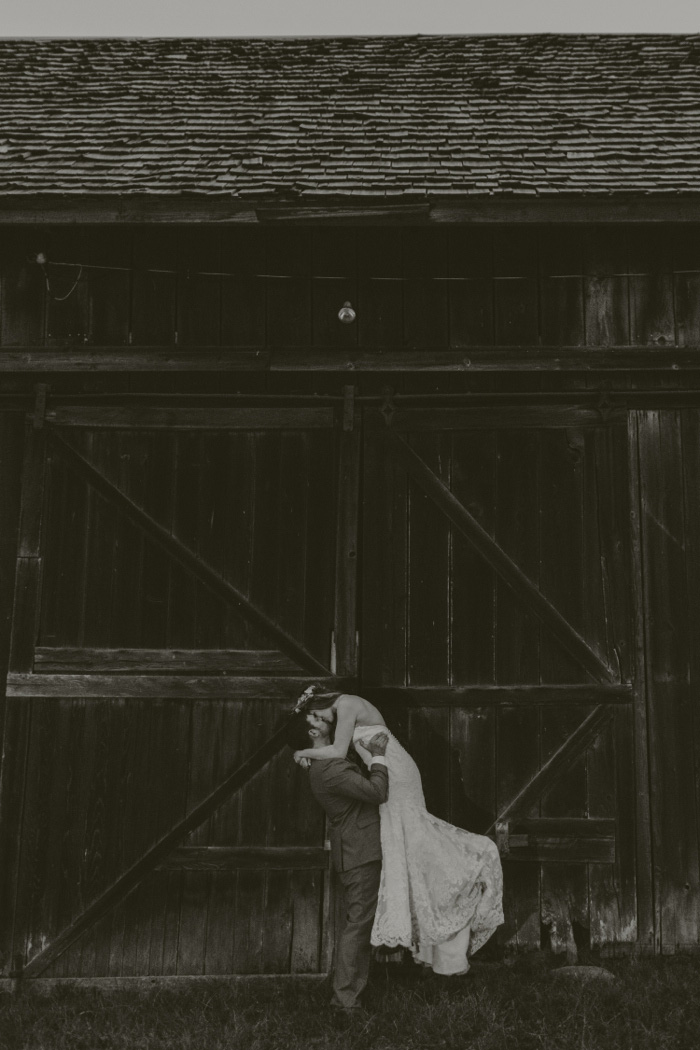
[(301, 760)]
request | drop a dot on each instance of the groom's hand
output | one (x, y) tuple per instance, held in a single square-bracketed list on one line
[(377, 745)]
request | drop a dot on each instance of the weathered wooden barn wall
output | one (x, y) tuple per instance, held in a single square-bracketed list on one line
[(414, 287), (592, 499)]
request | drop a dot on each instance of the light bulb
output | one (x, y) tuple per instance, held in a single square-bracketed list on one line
[(346, 314)]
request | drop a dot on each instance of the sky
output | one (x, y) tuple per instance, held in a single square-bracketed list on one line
[(74, 18)]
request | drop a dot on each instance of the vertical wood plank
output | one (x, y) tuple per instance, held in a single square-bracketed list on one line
[(154, 288), (199, 290), (211, 538), (384, 553), (686, 282), (690, 441), (277, 940), (156, 498), (517, 531), (228, 749), (429, 549), (517, 660), (11, 440), (347, 549), (11, 458), (141, 921), (521, 906), (64, 555), (239, 526), (35, 886), (288, 265), (164, 948), (221, 915), (67, 302), (515, 253), (606, 287), (306, 896), (471, 296), (100, 544), (561, 581), (265, 555), (668, 684), (334, 270), (561, 286), (22, 287), (292, 511), (17, 714), (327, 473), (473, 600), (248, 926), (126, 615), (652, 320), (191, 945), (565, 908), (108, 291), (185, 595), (243, 294), (631, 917), (425, 260), (380, 298)]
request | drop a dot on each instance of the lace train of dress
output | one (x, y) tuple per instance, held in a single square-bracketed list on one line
[(440, 885)]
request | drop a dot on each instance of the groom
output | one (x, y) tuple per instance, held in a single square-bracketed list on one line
[(351, 802)]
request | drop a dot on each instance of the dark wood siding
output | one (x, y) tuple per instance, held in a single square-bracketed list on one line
[(587, 484), (413, 288)]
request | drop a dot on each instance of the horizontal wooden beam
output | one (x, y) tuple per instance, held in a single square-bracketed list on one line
[(182, 554), (200, 662), (564, 839), (167, 687), (490, 695), (109, 680), (564, 849), (230, 858), (581, 827), (515, 359), (147, 417), (344, 214), (374, 209), (495, 417)]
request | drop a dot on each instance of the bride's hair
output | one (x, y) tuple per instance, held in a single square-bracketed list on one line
[(314, 698), (320, 701)]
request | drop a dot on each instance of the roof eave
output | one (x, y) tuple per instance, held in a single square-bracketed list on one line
[(410, 209)]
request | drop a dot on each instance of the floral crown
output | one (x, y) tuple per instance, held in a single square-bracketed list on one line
[(304, 699)]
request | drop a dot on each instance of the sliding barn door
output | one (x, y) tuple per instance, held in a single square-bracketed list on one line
[(182, 575), (496, 634)]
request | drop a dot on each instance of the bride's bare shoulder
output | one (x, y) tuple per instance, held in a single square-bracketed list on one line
[(349, 700), (367, 713)]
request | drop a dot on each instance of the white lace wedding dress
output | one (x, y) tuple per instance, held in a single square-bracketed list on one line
[(441, 887)]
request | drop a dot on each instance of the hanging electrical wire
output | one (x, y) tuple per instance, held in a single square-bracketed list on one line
[(42, 260)]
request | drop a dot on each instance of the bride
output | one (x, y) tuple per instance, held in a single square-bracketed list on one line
[(441, 887)]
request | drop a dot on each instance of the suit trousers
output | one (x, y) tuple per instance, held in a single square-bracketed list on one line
[(353, 950)]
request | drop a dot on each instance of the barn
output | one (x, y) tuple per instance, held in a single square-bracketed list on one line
[(368, 361)]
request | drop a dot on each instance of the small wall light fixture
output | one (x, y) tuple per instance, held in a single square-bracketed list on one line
[(346, 314)]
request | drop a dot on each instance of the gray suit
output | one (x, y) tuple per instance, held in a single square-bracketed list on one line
[(351, 803)]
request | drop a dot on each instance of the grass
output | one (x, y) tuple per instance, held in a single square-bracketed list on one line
[(652, 1004)]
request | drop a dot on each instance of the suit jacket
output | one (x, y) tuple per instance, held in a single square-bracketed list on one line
[(351, 802)]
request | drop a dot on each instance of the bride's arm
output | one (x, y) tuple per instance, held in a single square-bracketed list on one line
[(344, 728)]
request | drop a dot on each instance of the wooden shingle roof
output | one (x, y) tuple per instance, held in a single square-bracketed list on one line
[(407, 118)]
